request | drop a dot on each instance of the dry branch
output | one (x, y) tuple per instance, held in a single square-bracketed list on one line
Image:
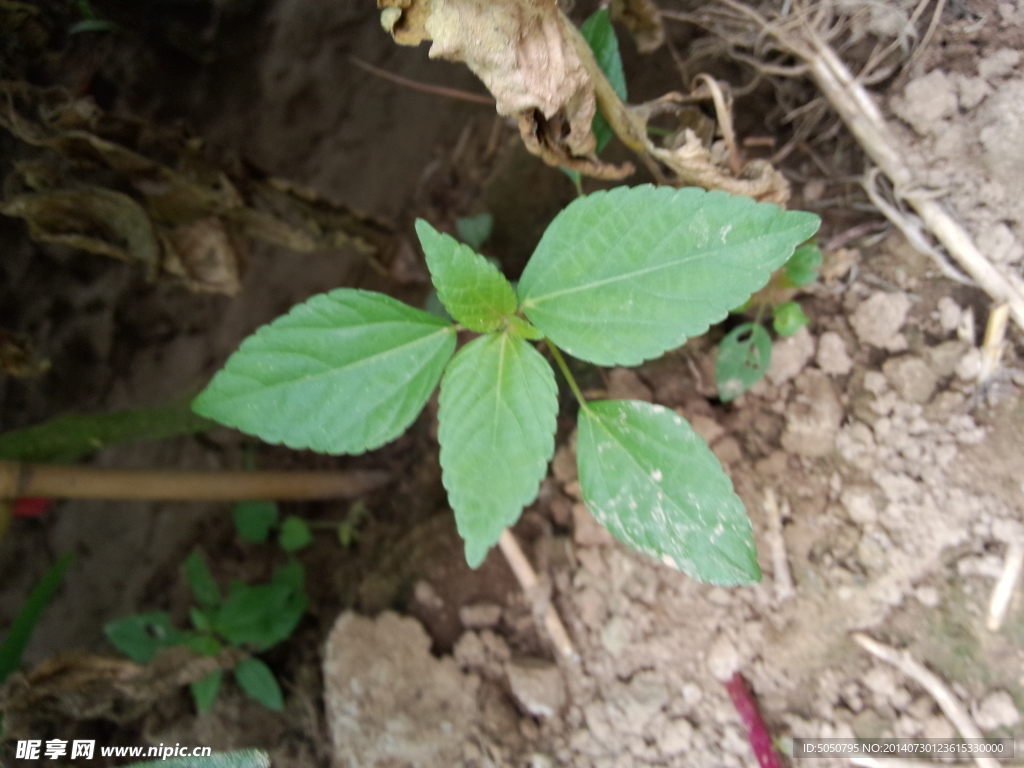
[(805, 34), (527, 578), (945, 698), (18, 480)]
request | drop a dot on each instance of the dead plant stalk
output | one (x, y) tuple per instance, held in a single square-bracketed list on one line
[(19, 480), (944, 697), (799, 37)]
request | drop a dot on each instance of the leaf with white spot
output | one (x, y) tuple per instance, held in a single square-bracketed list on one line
[(743, 360), (625, 275), (656, 486)]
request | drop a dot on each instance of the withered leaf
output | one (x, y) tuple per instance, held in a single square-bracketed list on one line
[(642, 19), (523, 53), (91, 219), (124, 188)]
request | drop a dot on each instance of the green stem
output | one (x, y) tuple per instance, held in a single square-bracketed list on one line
[(565, 372), (760, 312), (578, 181)]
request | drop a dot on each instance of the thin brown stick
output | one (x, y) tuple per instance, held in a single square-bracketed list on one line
[(19, 480), (436, 90), (527, 578)]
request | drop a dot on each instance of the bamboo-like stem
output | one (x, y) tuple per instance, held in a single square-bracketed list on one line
[(19, 480), (560, 361), (527, 578)]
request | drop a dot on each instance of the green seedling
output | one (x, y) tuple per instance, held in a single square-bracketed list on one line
[(255, 522), (12, 648), (745, 354), (597, 30), (618, 278), (252, 618), (70, 438)]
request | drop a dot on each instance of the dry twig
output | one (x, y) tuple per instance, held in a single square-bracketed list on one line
[(18, 480), (1007, 582), (945, 698), (806, 35), (777, 546), (527, 578)]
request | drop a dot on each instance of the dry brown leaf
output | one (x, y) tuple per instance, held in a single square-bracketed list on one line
[(17, 357), (124, 188), (692, 163), (643, 20), (205, 255), (521, 51), (80, 687), (90, 219)]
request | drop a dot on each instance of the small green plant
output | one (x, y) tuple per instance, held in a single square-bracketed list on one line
[(745, 354), (252, 618), (12, 647), (618, 278)]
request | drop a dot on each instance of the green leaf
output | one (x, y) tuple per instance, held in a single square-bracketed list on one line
[(497, 422), (344, 372), (474, 231), (254, 519), (204, 692), (262, 616), (204, 644), (201, 581), (521, 329), (743, 359), (788, 318), (249, 758), (802, 267), (470, 287), (255, 678), (140, 637), (92, 25), (200, 620), (625, 275), (653, 482), (600, 36), (13, 646), (71, 438), (295, 535)]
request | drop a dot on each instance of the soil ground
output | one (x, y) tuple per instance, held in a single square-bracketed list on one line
[(897, 479)]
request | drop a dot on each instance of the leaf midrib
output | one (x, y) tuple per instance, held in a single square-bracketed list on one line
[(333, 370), (535, 301)]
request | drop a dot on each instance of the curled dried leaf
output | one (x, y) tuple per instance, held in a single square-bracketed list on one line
[(90, 219), (643, 20), (523, 53), (127, 189), (18, 359)]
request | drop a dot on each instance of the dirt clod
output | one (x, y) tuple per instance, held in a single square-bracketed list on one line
[(832, 355), (812, 420), (537, 686), (996, 710), (911, 378), (389, 701), (878, 320), (790, 356)]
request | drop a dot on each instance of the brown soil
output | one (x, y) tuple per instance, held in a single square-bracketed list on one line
[(898, 479)]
